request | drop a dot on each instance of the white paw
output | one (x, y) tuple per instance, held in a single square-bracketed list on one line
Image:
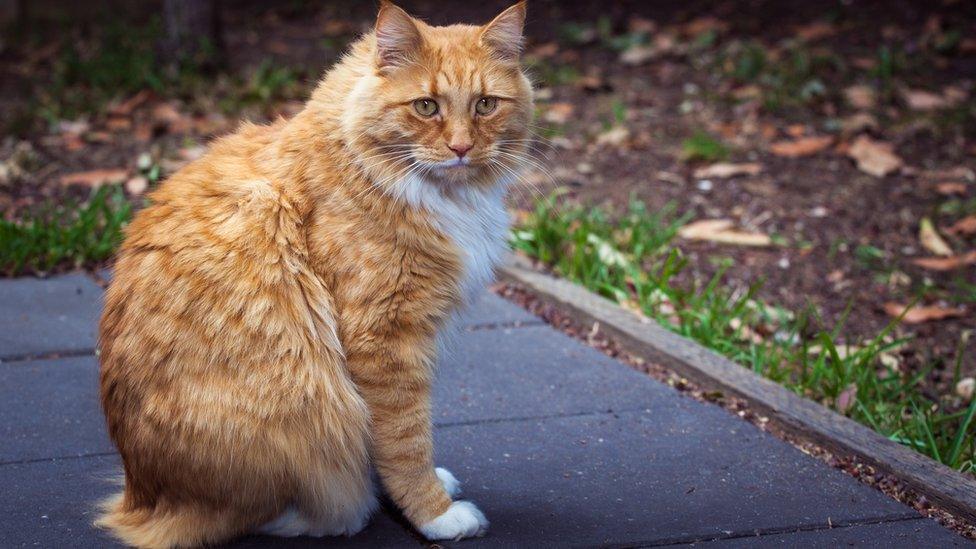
[(451, 485), (287, 525), (461, 520)]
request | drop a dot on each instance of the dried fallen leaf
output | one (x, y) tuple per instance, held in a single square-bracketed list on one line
[(858, 122), (615, 136), (638, 54), (965, 388), (931, 240), (956, 173), (704, 24), (843, 351), (949, 188), (137, 185), (815, 31), (95, 178), (559, 113), (847, 398), (166, 113), (921, 100), (946, 263), (804, 146), (965, 226), (860, 96), (724, 170), (920, 314), (721, 231), (193, 152), (874, 157), (796, 130), (126, 107), (545, 50)]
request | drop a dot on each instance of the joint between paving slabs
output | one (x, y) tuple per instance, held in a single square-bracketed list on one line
[(56, 458), (778, 531), (49, 355), (504, 325), (493, 421)]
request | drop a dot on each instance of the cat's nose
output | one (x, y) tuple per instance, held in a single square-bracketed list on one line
[(460, 149)]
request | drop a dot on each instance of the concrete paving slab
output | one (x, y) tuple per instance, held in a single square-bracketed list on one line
[(39, 316), (920, 532), (50, 408), (52, 504), (487, 309), (644, 478), (529, 372)]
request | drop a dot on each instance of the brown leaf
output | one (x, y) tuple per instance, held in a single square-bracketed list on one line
[(137, 185), (95, 178), (815, 31), (703, 24), (615, 136), (965, 226), (724, 170), (874, 157), (126, 107), (638, 54), (949, 188), (946, 263), (796, 130), (847, 398), (721, 231), (921, 100), (804, 146), (858, 122), (73, 142), (165, 113), (931, 239), (639, 24), (860, 96), (920, 314), (559, 113), (168, 117), (118, 124), (545, 50), (965, 388)]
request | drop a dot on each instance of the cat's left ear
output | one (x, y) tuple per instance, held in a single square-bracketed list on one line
[(397, 36), (504, 34)]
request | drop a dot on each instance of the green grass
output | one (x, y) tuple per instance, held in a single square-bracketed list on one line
[(65, 235), (629, 258), (702, 146)]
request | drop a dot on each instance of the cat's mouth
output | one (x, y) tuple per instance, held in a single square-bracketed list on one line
[(454, 163)]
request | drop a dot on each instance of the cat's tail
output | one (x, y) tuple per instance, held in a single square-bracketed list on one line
[(165, 527)]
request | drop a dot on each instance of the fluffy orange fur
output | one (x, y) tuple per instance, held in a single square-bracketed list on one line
[(269, 333)]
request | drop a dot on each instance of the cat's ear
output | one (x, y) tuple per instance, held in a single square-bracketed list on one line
[(504, 34), (397, 36)]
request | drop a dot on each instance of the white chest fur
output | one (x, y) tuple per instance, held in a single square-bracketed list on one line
[(475, 219)]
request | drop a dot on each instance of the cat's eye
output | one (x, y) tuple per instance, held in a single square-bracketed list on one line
[(425, 107), (486, 105)]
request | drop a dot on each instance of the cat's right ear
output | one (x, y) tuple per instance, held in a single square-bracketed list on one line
[(397, 37)]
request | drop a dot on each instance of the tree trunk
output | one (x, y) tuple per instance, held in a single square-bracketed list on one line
[(192, 31)]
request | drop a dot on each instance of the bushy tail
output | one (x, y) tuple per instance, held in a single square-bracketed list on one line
[(165, 527)]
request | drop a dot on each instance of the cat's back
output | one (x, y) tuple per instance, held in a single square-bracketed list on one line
[(217, 255)]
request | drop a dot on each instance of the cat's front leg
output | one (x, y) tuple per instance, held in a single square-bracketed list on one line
[(399, 400)]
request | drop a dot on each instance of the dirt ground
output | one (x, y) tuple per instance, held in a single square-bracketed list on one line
[(622, 88)]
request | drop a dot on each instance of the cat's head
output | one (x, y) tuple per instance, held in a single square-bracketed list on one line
[(449, 106)]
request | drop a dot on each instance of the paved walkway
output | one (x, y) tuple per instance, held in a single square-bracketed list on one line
[(558, 444)]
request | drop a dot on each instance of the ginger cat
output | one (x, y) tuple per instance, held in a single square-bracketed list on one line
[(271, 328)]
